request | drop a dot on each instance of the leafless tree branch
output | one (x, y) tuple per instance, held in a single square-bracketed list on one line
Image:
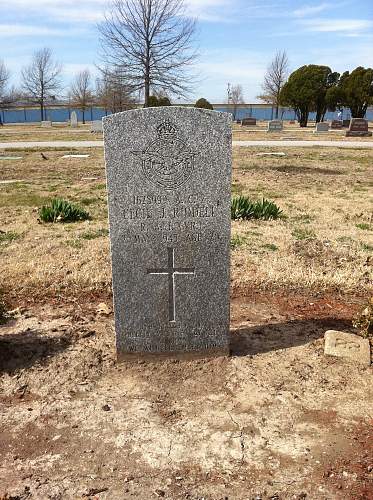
[(42, 77), (275, 78), (81, 93), (148, 44)]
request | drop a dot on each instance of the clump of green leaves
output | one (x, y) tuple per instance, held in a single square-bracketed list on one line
[(243, 208), (7, 237), (237, 241), (61, 210), (364, 320)]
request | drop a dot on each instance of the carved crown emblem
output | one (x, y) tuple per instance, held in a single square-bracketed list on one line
[(166, 129)]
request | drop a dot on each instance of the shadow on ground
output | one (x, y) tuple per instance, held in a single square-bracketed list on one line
[(23, 350), (271, 337)]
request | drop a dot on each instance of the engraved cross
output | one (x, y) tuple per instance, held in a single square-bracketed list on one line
[(171, 271)]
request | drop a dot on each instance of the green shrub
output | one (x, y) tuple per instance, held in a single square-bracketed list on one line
[(363, 226), (62, 211), (203, 104), (243, 208), (155, 101)]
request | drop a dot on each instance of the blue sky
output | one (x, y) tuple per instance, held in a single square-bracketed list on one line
[(236, 38)]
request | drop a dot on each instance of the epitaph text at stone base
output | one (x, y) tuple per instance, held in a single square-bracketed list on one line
[(169, 181)]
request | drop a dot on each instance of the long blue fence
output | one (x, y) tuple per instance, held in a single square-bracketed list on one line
[(27, 115)]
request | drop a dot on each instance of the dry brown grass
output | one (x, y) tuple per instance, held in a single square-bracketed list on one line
[(326, 239), (324, 242), (59, 132)]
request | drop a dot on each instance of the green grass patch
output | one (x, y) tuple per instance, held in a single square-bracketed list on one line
[(363, 226), (88, 201), (305, 218), (8, 236), (237, 188), (237, 241), (91, 235), (366, 247), (74, 244), (61, 210), (22, 200), (301, 233), (99, 186), (270, 246)]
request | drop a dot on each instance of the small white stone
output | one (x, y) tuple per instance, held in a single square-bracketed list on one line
[(347, 345)]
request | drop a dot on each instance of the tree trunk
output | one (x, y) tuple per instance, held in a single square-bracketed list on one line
[(276, 112), (83, 112), (147, 91), (303, 117)]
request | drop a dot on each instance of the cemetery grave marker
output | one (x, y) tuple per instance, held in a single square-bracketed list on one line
[(346, 123), (336, 124), (46, 123), (358, 128), (169, 178), (74, 120), (347, 345), (321, 127), (275, 126), (96, 126), (248, 121)]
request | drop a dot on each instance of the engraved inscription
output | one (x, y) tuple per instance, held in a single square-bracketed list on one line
[(167, 161), (171, 271), (346, 344)]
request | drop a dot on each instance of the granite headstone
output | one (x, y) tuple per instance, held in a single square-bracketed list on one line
[(358, 128), (74, 119), (336, 124), (346, 123), (96, 126), (248, 121), (46, 124), (321, 127), (275, 126), (169, 179)]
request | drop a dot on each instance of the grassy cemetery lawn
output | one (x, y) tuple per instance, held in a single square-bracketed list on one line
[(276, 418), (63, 132), (291, 132), (59, 132)]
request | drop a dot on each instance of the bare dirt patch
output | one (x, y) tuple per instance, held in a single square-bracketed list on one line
[(276, 418)]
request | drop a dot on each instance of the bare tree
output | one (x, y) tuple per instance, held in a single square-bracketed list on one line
[(81, 93), (112, 94), (275, 79), (236, 98), (41, 78), (4, 78), (148, 43)]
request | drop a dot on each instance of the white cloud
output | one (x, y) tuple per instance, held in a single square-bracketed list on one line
[(17, 30), (337, 25), (309, 10)]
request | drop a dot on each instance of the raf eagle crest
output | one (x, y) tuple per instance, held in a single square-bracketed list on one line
[(167, 161)]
